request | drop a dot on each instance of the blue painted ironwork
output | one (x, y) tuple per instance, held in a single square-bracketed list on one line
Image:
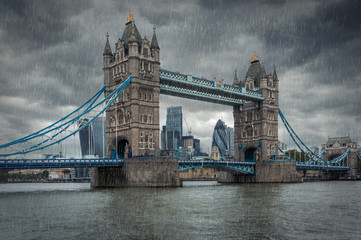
[(313, 158), (41, 132), (243, 167), (293, 135), (59, 163), (187, 86), (113, 96), (327, 168)]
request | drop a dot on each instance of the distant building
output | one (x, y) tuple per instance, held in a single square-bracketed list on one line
[(92, 143), (186, 153), (92, 137), (215, 155), (223, 138), (171, 135), (197, 147)]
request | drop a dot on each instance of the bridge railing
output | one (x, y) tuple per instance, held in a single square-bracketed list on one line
[(209, 84), (50, 163), (200, 93)]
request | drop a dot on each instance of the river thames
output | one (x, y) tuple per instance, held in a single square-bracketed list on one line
[(199, 210)]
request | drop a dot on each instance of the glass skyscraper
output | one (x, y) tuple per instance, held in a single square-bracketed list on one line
[(92, 137), (92, 143), (171, 135), (223, 138)]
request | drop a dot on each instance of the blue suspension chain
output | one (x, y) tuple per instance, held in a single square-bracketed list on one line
[(119, 90)]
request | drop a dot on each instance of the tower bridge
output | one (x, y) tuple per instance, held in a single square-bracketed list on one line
[(133, 82)]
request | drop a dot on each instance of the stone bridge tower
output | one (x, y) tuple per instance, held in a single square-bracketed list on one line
[(256, 123), (334, 147), (132, 121)]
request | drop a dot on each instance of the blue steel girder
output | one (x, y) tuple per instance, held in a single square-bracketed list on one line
[(187, 86), (328, 168), (58, 163), (242, 167)]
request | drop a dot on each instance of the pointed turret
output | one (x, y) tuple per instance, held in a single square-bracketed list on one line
[(107, 57), (107, 49), (133, 37), (274, 73), (235, 81), (154, 44), (263, 72), (154, 47)]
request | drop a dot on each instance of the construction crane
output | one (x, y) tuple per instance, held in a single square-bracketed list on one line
[(189, 129)]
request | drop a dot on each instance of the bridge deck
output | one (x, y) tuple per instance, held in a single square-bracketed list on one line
[(187, 86), (246, 167)]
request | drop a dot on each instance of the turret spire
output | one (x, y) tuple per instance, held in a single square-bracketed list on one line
[(107, 49), (154, 43), (132, 37), (274, 73), (235, 81)]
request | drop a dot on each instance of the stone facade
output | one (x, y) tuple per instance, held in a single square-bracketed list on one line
[(277, 172), (139, 172), (334, 147), (132, 126), (256, 123)]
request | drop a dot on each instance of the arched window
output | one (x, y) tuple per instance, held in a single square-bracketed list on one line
[(120, 117), (249, 131)]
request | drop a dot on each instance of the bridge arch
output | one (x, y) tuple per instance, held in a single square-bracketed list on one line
[(250, 154), (121, 147)]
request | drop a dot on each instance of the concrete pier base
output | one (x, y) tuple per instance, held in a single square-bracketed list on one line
[(277, 172), (139, 172)]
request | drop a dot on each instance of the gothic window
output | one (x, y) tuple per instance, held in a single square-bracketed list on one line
[(112, 121), (146, 66), (145, 118), (121, 117), (150, 97), (150, 119), (249, 131), (249, 117), (145, 51)]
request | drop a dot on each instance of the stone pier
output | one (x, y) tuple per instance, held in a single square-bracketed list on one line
[(277, 172), (139, 172)]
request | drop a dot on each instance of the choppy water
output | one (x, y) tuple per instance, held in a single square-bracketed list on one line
[(199, 210)]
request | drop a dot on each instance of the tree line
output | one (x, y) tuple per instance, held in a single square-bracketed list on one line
[(24, 176)]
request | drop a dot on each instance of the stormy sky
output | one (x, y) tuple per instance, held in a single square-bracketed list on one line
[(51, 58)]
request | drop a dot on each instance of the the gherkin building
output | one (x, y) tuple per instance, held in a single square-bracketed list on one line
[(223, 138)]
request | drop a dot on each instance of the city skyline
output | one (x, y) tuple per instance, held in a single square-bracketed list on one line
[(52, 58)]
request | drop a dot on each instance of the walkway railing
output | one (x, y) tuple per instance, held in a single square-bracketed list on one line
[(187, 83)]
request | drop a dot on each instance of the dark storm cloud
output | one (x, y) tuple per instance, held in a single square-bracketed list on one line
[(32, 25), (52, 56)]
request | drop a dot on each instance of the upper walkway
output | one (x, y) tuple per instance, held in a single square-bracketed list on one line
[(187, 86)]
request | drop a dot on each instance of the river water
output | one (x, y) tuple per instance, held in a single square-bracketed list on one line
[(199, 210)]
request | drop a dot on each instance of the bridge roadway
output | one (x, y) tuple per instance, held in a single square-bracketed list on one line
[(187, 86), (242, 167)]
